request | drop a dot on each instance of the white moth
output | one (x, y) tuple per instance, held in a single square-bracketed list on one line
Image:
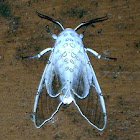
[(69, 77)]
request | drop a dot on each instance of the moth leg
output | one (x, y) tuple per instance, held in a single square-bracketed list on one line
[(39, 54), (49, 31), (82, 34), (98, 55)]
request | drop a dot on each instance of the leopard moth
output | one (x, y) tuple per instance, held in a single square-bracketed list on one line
[(69, 78)]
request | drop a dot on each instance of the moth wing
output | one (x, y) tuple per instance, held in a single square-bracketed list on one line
[(90, 102), (46, 100)]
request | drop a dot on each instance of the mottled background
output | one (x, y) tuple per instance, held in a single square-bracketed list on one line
[(23, 33)]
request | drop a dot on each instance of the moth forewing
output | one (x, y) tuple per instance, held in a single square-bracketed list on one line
[(46, 105), (91, 107), (45, 109)]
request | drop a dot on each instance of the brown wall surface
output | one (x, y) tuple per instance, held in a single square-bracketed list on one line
[(23, 33)]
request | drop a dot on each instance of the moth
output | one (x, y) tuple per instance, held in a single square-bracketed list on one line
[(69, 78)]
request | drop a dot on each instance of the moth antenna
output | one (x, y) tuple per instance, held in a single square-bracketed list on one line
[(91, 21), (49, 18)]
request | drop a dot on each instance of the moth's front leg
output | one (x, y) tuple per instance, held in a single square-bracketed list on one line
[(98, 55), (39, 54), (54, 36)]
